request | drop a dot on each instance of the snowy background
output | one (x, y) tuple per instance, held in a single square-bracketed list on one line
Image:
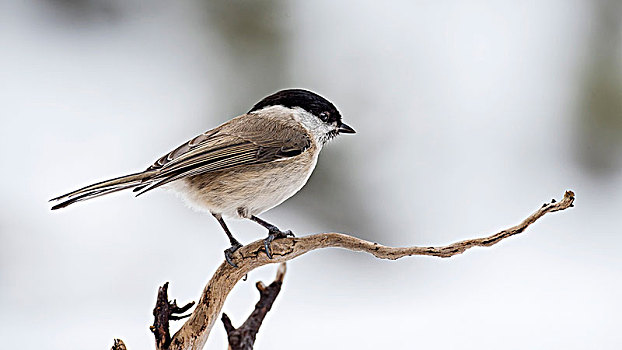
[(469, 115)]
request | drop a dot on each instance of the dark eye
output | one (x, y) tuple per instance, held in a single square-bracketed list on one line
[(324, 116)]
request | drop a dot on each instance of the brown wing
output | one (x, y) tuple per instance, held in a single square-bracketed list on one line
[(245, 140)]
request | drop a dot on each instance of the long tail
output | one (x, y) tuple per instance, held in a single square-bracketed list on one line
[(103, 188)]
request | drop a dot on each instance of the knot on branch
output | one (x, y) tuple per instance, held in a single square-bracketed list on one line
[(243, 338), (164, 312)]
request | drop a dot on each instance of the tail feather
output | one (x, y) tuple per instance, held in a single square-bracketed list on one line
[(86, 196), (103, 188)]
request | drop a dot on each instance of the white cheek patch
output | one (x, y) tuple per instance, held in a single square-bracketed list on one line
[(321, 131)]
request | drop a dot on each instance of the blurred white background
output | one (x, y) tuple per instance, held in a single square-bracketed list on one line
[(469, 115)]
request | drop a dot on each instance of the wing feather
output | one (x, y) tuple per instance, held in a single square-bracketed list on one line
[(246, 140)]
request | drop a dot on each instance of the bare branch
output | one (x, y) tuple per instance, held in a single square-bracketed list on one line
[(118, 345), (243, 338), (193, 334), (164, 312)]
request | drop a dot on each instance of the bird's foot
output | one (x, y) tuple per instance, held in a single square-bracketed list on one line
[(229, 252), (274, 233)]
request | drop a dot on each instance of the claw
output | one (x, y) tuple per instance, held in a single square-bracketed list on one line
[(266, 245), (229, 252), (228, 259), (272, 235)]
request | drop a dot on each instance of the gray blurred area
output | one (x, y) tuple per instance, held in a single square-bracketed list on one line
[(470, 114)]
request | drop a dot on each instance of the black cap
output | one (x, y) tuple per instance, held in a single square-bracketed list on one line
[(307, 100)]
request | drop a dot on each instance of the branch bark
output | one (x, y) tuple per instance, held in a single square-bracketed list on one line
[(193, 334)]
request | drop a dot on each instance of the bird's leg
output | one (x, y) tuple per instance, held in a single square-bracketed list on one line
[(235, 245), (273, 233)]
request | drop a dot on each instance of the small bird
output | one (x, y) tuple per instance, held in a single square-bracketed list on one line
[(243, 167)]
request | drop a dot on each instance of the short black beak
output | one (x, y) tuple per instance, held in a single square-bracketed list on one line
[(345, 129)]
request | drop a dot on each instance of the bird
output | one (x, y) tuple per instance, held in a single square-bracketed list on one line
[(243, 167)]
